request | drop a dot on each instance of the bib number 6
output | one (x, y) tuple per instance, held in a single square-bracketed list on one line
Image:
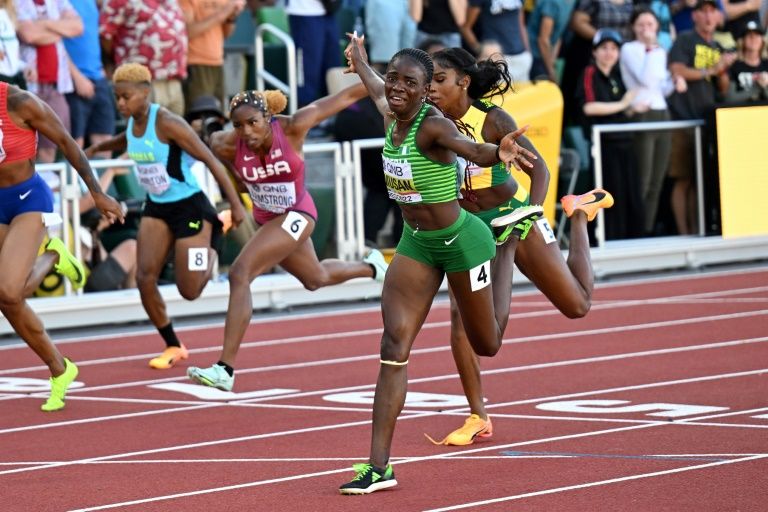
[(294, 224)]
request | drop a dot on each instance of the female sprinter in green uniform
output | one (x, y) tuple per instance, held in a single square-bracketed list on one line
[(459, 86), (439, 238)]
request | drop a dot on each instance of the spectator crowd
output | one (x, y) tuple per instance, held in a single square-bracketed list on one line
[(614, 60)]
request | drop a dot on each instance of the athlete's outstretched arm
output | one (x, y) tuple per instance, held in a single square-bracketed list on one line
[(179, 131), (311, 115), (39, 116), (358, 60)]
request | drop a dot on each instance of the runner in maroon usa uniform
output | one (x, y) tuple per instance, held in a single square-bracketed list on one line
[(26, 208), (264, 150)]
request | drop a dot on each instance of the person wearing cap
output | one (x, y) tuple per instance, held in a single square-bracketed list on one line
[(739, 13), (749, 74), (587, 18), (605, 100), (703, 63)]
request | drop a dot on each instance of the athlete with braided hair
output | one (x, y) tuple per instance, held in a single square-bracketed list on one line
[(439, 238), (461, 87), (264, 150)]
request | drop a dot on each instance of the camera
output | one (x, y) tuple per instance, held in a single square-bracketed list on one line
[(210, 125)]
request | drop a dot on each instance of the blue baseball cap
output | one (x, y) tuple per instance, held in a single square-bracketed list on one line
[(606, 34)]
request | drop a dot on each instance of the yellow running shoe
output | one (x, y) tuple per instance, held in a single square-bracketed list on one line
[(169, 357), (473, 427), (589, 203), (68, 266), (59, 387)]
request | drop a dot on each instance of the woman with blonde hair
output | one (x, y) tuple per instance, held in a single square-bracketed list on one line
[(265, 152), (177, 218)]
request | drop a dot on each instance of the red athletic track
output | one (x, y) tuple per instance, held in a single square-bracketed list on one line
[(700, 340)]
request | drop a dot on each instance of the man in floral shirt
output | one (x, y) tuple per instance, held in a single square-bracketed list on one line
[(153, 33)]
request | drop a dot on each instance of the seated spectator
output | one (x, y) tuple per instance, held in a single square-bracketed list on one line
[(604, 99), (112, 269), (749, 74)]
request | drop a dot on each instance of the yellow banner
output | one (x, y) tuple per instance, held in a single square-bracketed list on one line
[(539, 105), (742, 133)]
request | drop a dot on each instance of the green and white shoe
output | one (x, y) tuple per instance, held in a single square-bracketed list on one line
[(379, 264), (368, 478), (517, 223), (215, 377)]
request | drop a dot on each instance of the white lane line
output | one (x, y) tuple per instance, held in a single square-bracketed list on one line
[(430, 325), (443, 455), (99, 419), (596, 484), (444, 348), (538, 366), (440, 303)]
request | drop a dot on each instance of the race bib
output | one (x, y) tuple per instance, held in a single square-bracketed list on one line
[(273, 197), (153, 178), (399, 179)]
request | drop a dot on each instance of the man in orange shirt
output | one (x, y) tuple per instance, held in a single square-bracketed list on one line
[(209, 23)]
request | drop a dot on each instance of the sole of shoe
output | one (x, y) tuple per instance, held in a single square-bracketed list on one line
[(371, 488)]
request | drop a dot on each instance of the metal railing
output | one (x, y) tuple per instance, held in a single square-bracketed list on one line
[(599, 129), (290, 89)]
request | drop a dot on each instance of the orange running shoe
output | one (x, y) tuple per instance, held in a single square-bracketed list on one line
[(169, 357), (589, 203), (473, 427)]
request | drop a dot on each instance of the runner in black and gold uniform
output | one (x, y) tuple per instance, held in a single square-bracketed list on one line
[(439, 238), (459, 86)]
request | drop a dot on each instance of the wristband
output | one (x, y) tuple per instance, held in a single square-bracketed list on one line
[(498, 148)]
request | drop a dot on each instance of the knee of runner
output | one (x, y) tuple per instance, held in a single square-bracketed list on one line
[(189, 292), (10, 296), (145, 279), (488, 351), (577, 309), (392, 351), (312, 283)]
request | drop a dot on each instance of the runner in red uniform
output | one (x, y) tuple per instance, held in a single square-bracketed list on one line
[(26, 205)]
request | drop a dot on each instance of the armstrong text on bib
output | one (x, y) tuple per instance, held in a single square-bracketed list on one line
[(273, 197)]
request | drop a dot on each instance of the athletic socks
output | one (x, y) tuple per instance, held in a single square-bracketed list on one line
[(169, 336), (230, 371)]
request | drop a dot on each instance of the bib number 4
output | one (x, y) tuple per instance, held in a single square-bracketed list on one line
[(480, 276)]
